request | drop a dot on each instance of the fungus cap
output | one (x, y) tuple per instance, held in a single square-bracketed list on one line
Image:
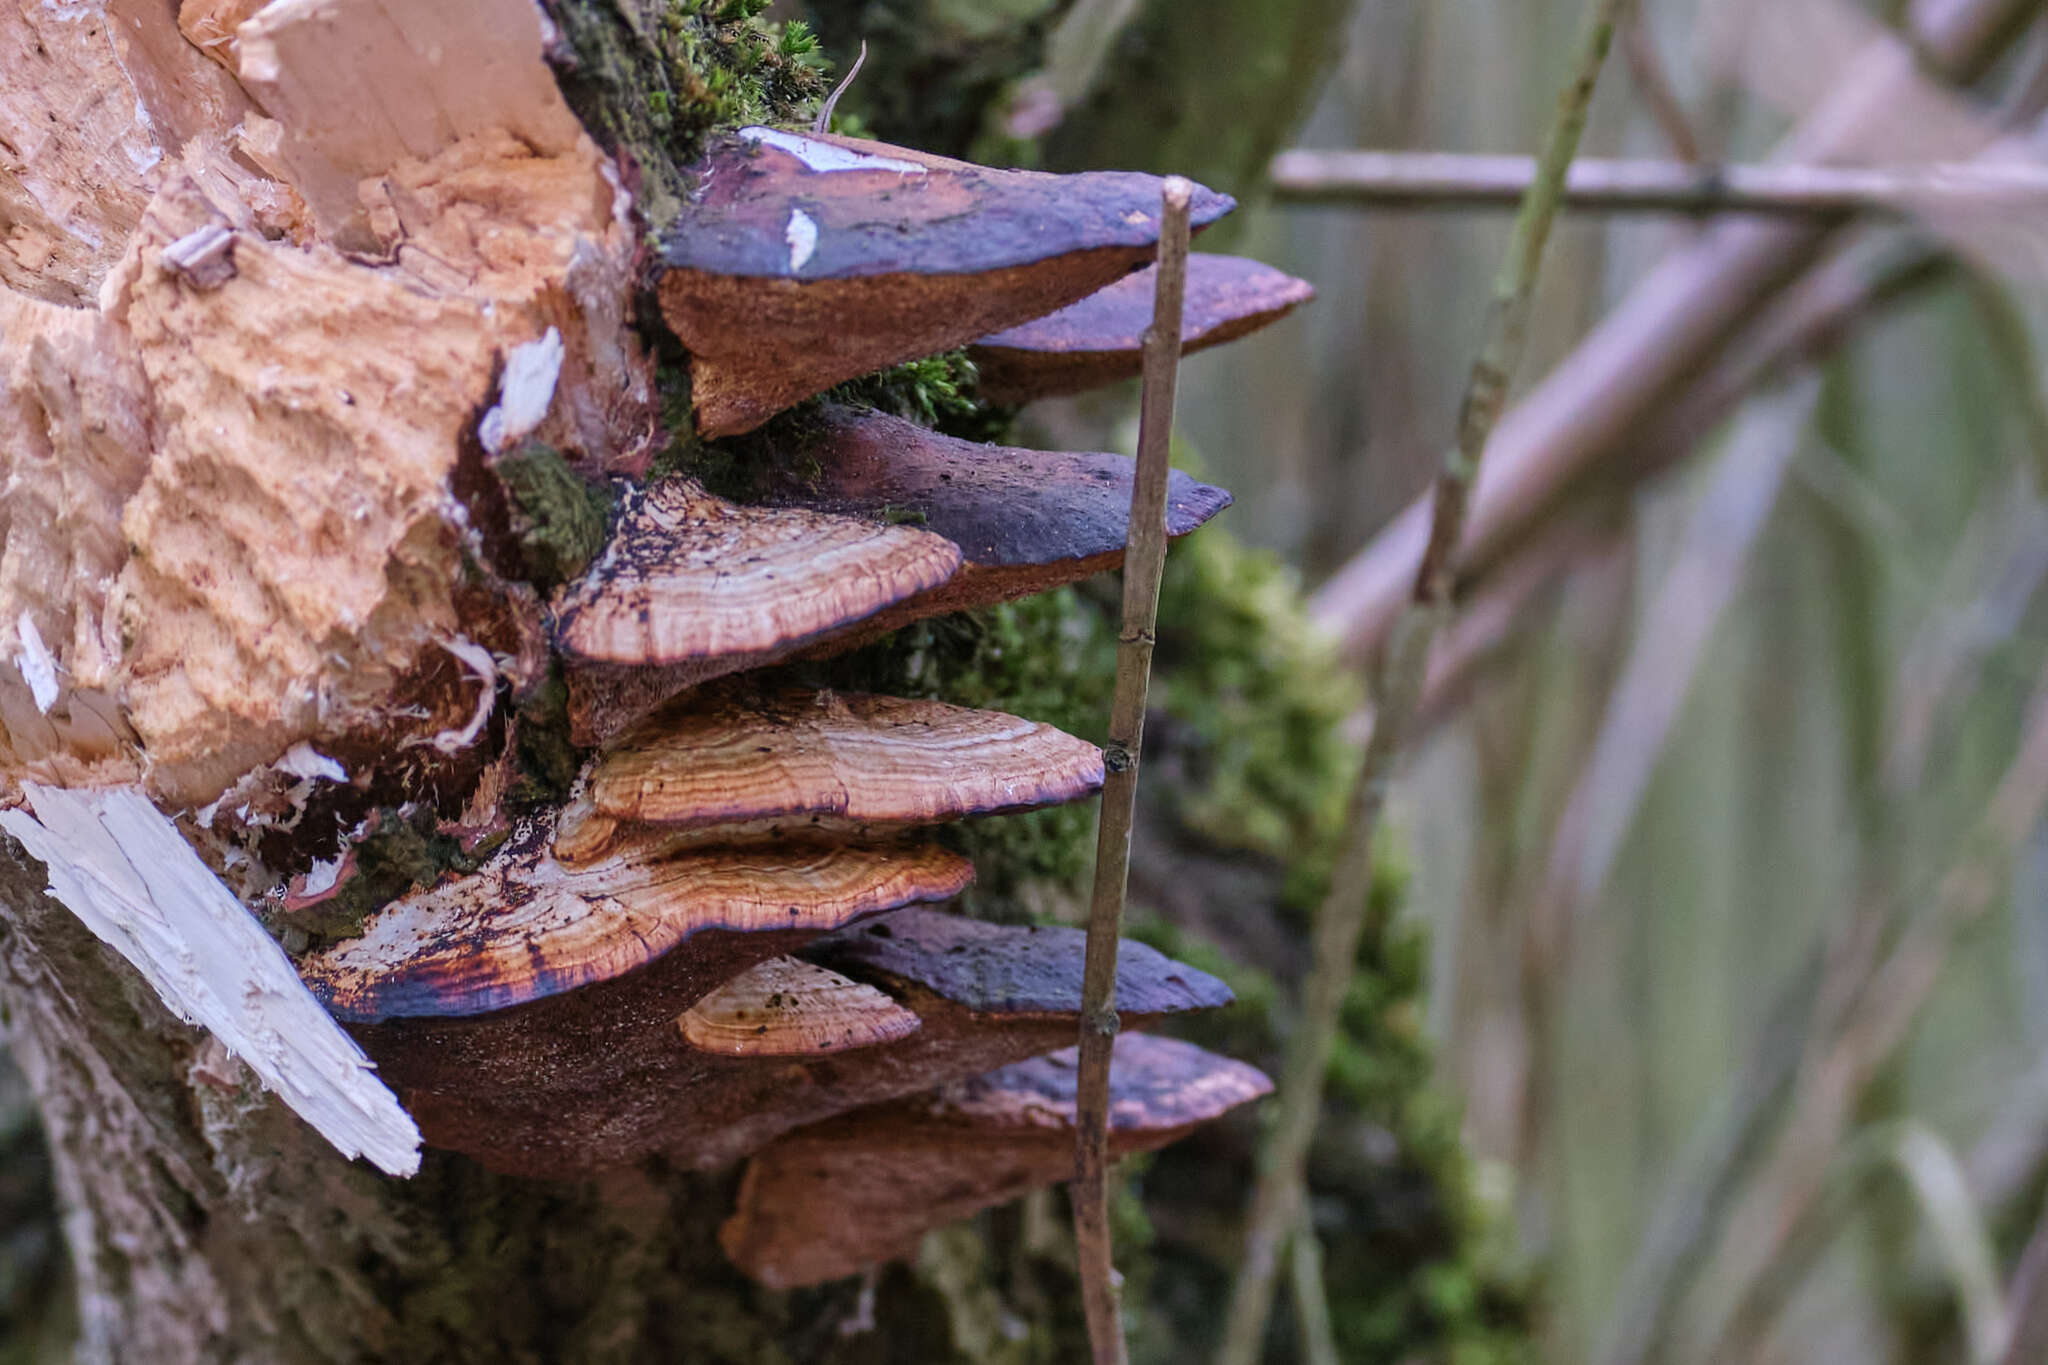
[(805, 260), (601, 1076), (1101, 339), (688, 577), (728, 763), (786, 1007), (524, 927), (1024, 520)]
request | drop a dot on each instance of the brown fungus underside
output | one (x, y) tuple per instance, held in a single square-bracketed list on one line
[(1101, 339), (603, 1075), (836, 1197)]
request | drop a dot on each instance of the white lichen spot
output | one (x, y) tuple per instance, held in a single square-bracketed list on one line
[(827, 156), (123, 868), (525, 391), (802, 236), (38, 666), (303, 760)]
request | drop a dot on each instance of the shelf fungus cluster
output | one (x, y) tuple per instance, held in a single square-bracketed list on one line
[(351, 462)]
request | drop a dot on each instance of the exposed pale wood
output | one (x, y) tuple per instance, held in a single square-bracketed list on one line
[(831, 1199), (734, 763), (362, 86), (1101, 339), (807, 260), (218, 578), (787, 1007), (99, 96), (125, 870), (599, 1076)]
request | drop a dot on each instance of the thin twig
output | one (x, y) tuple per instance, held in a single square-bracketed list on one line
[(1311, 1303), (1277, 1198), (823, 122), (1144, 564), (1454, 180), (1653, 84)]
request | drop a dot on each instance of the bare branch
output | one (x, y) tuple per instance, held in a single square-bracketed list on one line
[(1449, 180), (1144, 565)]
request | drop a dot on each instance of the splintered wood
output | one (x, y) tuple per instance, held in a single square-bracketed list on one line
[(231, 444), (126, 871)]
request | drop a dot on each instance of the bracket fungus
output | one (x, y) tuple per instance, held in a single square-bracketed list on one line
[(787, 1007), (1101, 339), (804, 260), (1024, 520), (525, 929), (691, 578), (725, 765), (610, 1070), (839, 1196)]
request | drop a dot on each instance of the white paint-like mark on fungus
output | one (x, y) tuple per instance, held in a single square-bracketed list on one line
[(524, 392), (122, 867), (802, 236), (827, 156), (38, 666)]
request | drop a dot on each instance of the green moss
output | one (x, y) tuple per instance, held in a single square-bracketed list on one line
[(405, 853), (1256, 703), (547, 760), (938, 391), (557, 518), (653, 79)]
